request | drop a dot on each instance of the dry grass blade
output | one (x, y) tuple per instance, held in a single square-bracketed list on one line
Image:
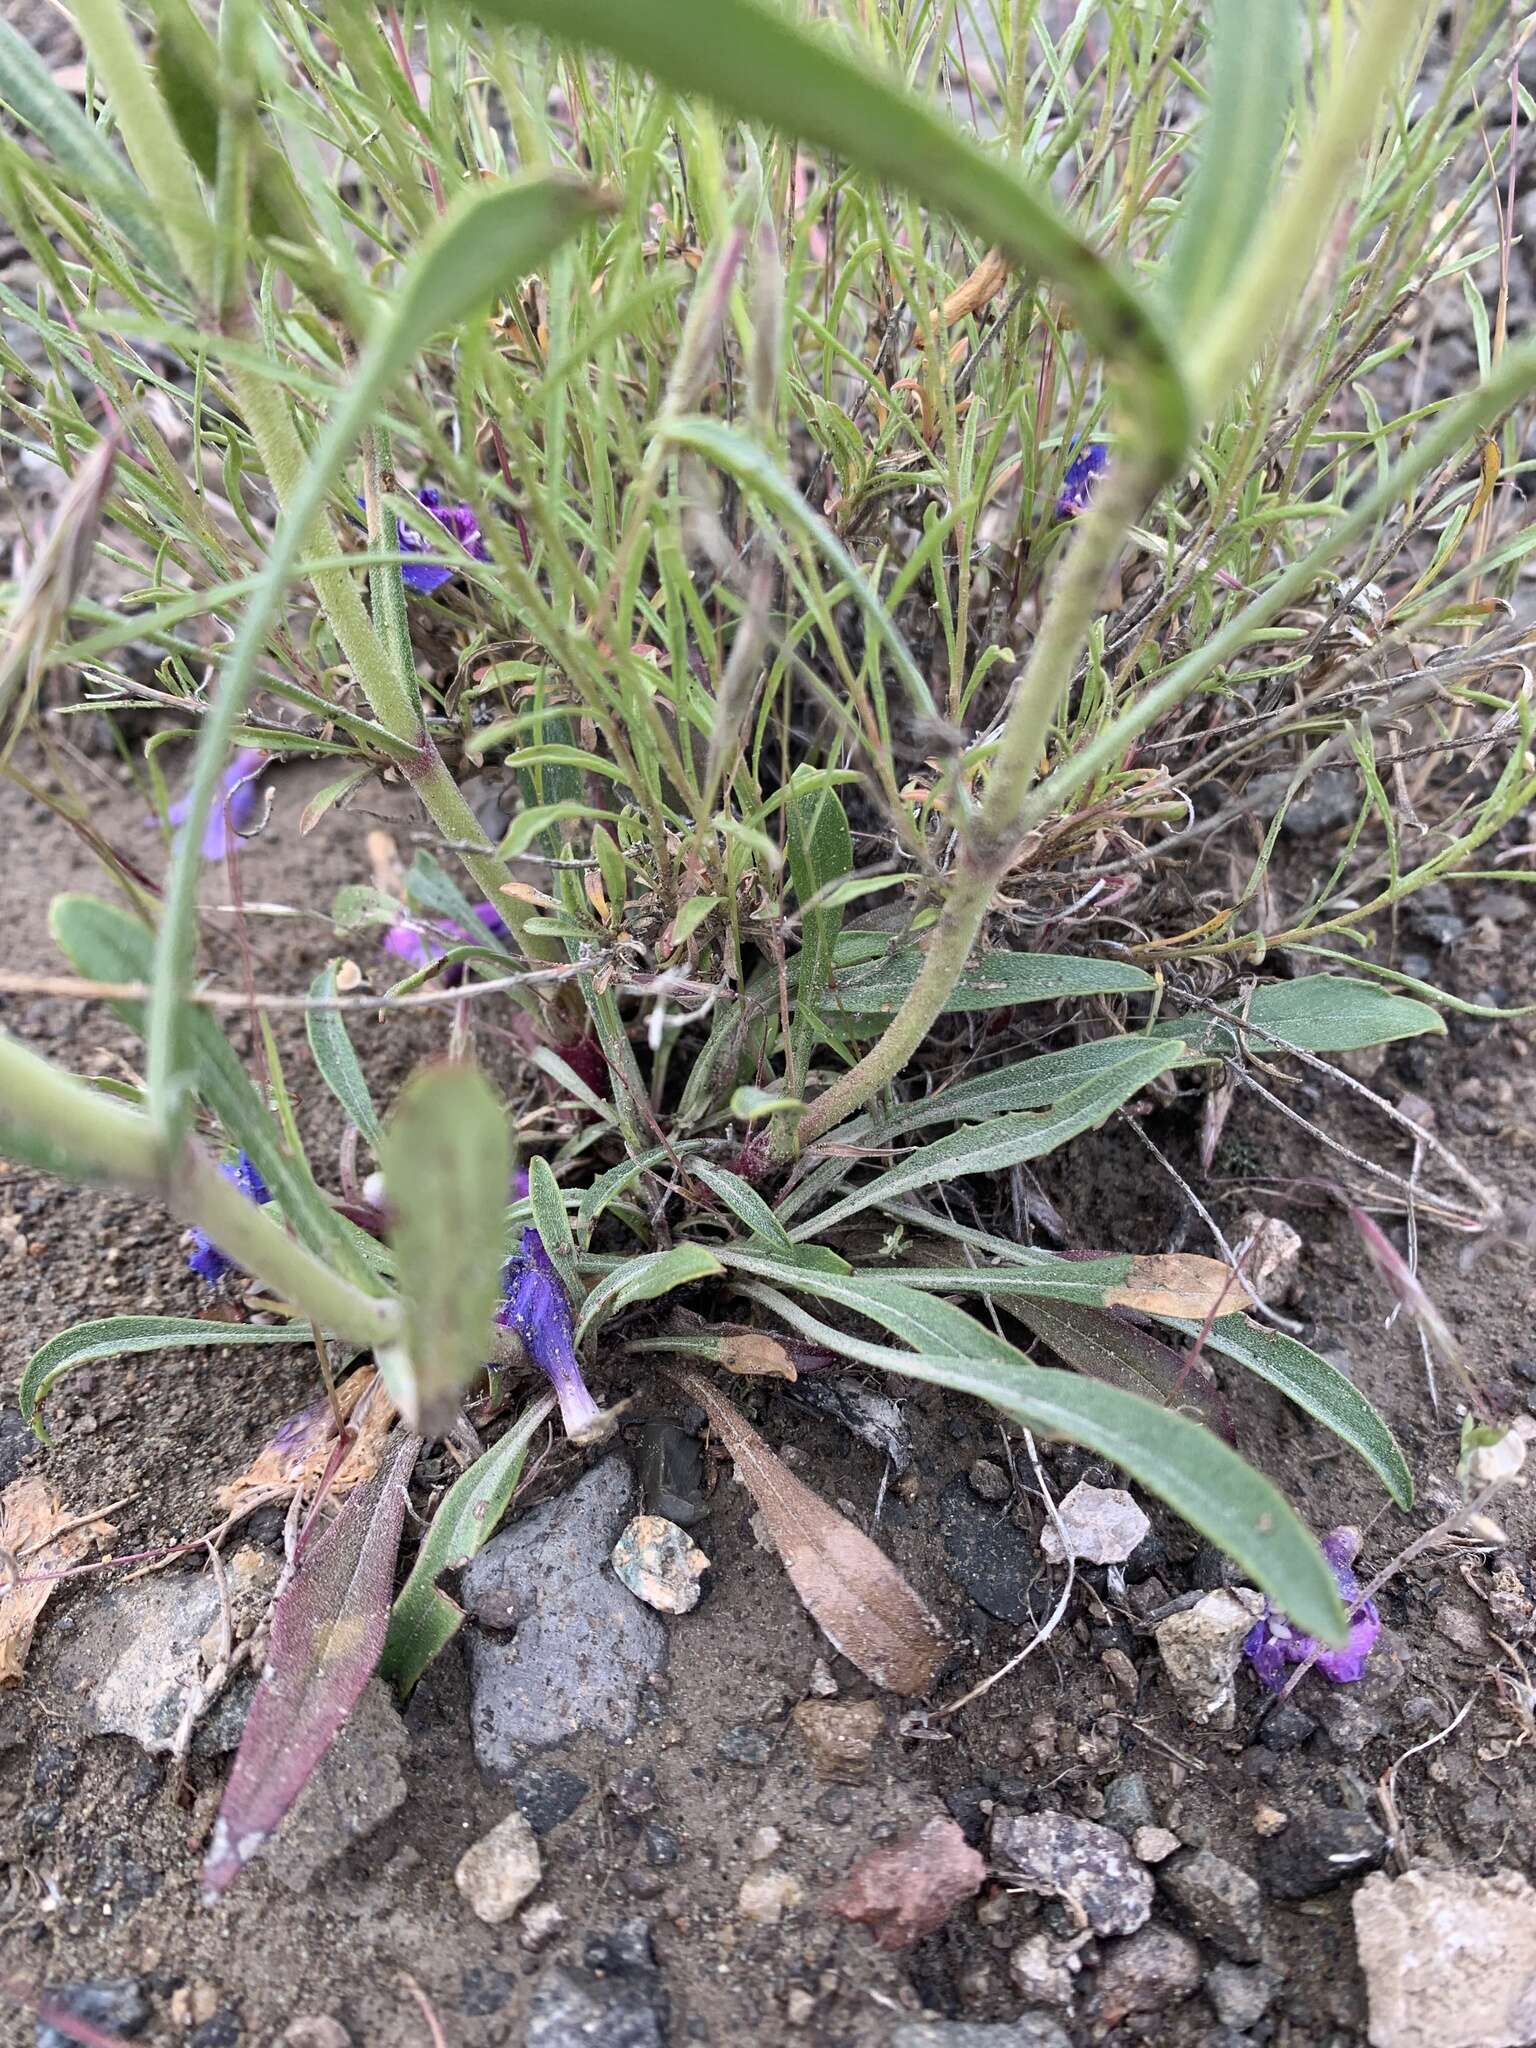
[(851, 1590)]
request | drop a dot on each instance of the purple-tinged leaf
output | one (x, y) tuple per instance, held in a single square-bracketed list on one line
[(328, 1632)]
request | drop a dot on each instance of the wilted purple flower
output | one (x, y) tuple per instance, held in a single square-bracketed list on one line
[(1272, 1643), (1083, 472), (204, 1258), (416, 945), (536, 1305), (457, 520), (236, 807)]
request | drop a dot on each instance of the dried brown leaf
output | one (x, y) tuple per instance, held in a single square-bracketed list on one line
[(295, 1459), (752, 1354), (909, 1889), (38, 1534), (852, 1591), (1178, 1284), (977, 290)]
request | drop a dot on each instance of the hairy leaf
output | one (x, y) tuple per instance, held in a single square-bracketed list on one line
[(328, 1631), (331, 1045), (644, 1279), (996, 981), (117, 1336), (1318, 1013)]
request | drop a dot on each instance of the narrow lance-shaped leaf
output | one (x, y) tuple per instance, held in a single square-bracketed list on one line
[(117, 1336), (328, 1631), (1319, 1013), (645, 1279), (851, 1590), (1108, 1347), (1171, 1283), (997, 981), (820, 849), (1008, 1140), (447, 1163), (1182, 1462), (425, 1620), (331, 1045)]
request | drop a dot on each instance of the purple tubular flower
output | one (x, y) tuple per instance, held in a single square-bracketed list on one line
[(1083, 472), (457, 520), (1272, 1643), (204, 1257), (536, 1305), (418, 944), (236, 808)]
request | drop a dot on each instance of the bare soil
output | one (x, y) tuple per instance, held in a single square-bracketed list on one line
[(102, 1863)]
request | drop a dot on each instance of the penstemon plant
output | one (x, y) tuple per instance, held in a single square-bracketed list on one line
[(636, 716)]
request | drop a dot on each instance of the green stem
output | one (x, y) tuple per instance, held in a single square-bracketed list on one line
[(149, 136), (54, 1120), (1267, 288)]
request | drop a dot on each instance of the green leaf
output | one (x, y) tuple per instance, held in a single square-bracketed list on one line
[(534, 820), (1181, 1461), (116, 1336), (926, 1322), (1007, 1140), (1255, 50), (1027, 1084), (644, 1279), (1107, 1347), (820, 849), (1318, 1013), (424, 1620), (447, 1160), (1317, 1388), (994, 982), (759, 64), (552, 1223), (610, 1185), (359, 905), (333, 792), (107, 944), (743, 1201), (751, 1104), (334, 1056)]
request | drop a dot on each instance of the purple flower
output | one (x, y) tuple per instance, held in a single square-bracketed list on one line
[(236, 807), (1083, 472), (1272, 1643), (417, 945), (457, 520), (204, 1258), (536, 1306)]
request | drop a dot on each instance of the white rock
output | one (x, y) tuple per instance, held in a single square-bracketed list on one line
[(768, 1896), (1042, 1971), (539, 1925), (500, 1871), (1272, 1261), (1154, 1845), (1201, 1649), (1103, 1525), (823, 1684), (660, 1563), (1449, 1959), (320, 2031)]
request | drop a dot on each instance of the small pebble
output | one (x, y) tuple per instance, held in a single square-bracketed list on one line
[(989, 1480), (1269, 1820), (836, 1807), (766, 1897), (840, 1736), (539, 1925), (744, 1745), (1155, 1845), (319, 2031), (765, 1843), (798, 2007), (823, 1685), (1322, 1848), (1240, 1997), (1042, 1972), (660, 1845), (661, 1564), (501, 1870)]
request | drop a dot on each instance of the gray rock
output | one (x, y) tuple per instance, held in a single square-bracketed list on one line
[(745, 1745), (1146, 1974), (115, 2002), (989, 1481), (358, 1785), (672, 1473), (661, 1846), (615, 2000), (1349, 1719), (1331, 800), (996, 1563), (545, 1795), (142, 1649), (583, 1648), (1323, 1847), (1128, 1804), (1449, 1959), (1030, 2030), (1240, 1998), (1042, 1972), (1220, 1902), (1285, 1726), (1077, 1860)]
